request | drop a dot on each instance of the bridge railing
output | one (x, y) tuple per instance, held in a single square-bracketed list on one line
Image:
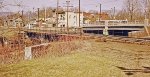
[(115, 23)]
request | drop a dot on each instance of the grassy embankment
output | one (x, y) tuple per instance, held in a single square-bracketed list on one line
[(94, 59)]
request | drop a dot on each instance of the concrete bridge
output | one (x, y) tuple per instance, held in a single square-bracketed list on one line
[(115, 27)]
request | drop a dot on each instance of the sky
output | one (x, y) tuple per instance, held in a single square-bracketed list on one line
[(85, 4)]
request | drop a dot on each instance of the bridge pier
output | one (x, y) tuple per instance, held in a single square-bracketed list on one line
[(105, 31)]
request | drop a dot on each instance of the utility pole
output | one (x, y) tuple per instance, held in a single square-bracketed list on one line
[(57, 15), (22, 15), (79, 16), (146, 9), (68, 5), (100, 11), (67, 16), (33, 13), (38, 19), (114, 12), (38, 16), (45, 10), (22, 12), (112, 15)]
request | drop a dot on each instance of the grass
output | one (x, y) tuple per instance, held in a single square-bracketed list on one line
[(75, 65), (90, 61)]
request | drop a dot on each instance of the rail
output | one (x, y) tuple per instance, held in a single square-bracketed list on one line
[(116, 23)]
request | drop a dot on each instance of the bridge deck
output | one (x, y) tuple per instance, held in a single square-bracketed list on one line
[(114, 27)]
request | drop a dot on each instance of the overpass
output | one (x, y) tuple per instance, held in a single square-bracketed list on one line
[(115, 27)]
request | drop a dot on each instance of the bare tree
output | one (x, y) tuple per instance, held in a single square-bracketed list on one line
[(93, 11), (146, 7), (49, 12), (133, 8), (122, 15)]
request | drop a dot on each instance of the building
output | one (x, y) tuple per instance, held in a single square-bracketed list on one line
[(103, 16), (16, 22), (73, 19), (47, 23), (51, 22), (93, 17)]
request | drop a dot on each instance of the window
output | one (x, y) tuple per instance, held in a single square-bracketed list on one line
[(54, 25), (63, 18), (63, 25)]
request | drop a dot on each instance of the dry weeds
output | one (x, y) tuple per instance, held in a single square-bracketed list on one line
[(91, 59)]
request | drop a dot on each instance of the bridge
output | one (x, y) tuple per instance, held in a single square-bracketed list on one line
[(115, 27), (108, 27)]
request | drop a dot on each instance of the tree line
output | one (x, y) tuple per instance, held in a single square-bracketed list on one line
[(134, 10)]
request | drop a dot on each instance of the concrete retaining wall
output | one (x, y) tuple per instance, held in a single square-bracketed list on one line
[(36, 51), (139, 34)]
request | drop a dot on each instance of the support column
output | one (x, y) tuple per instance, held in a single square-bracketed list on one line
[(105, 30), (146, 24)]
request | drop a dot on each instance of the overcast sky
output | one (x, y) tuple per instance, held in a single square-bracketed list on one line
[(85, 4)]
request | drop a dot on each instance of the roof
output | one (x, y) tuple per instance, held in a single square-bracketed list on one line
[(89, 14)]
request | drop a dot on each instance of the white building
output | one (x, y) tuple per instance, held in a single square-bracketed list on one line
[(51, 21), (14, 22), (73, 19)]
